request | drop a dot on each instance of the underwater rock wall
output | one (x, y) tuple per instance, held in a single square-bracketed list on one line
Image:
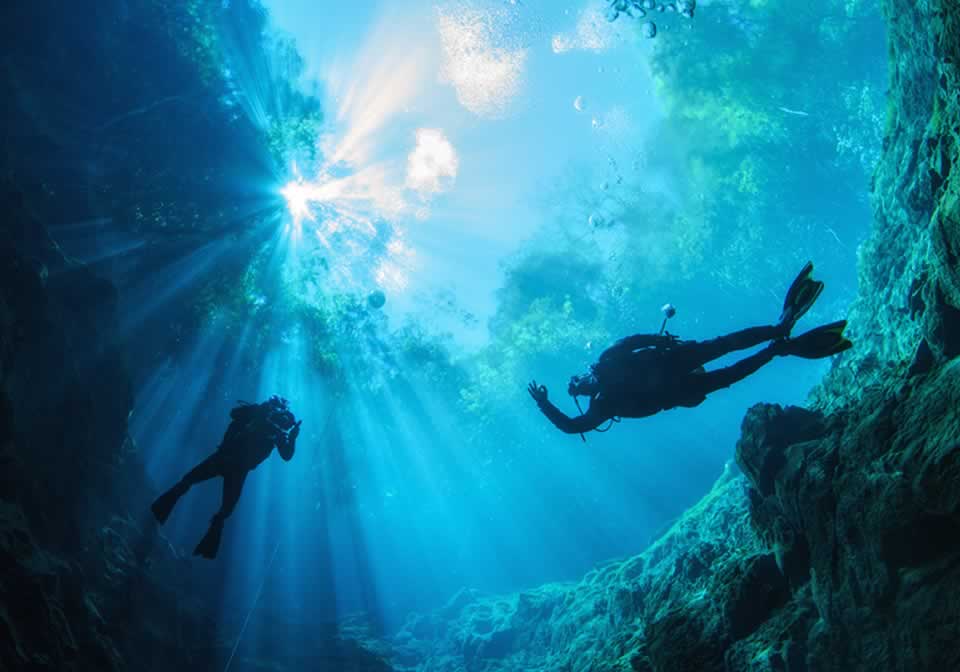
[(75, 590), (626, 615), (839, 550), (908, 312), (839, 546), (868, 517)]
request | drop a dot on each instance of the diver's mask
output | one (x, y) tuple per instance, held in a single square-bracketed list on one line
[(279, 413), (284, 420), (585, 385)]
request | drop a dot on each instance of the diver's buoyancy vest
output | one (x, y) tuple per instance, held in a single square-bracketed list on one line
[(245, 441), (628, 370)]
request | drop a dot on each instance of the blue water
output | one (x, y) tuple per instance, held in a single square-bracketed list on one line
[(525, 182)]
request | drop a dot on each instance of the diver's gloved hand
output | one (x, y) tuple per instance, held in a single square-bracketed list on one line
[(538, 392), (295, 431)]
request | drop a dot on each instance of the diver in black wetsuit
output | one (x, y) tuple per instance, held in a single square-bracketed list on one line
[(647, 373), (254, 430)]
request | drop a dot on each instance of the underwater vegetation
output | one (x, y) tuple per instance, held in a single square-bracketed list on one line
[(135, 259)]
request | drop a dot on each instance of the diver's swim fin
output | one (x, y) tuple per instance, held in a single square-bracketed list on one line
[(817, 343), (210, 543), (163, 505), (802, 294)]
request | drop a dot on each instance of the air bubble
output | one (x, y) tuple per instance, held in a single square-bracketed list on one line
[(376, 299)]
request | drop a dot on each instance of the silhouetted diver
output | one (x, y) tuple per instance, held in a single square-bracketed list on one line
[(254, 430), (644, 374)]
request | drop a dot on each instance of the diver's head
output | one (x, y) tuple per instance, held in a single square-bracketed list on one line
[(585, 385), (277, 402), (279, 412)]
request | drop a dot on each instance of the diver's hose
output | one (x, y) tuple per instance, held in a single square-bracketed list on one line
[(609, 426), (576, 400)]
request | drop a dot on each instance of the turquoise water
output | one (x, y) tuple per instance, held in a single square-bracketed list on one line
[(522, 182)]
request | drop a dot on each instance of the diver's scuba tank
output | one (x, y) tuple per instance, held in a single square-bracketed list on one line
[(668, 311)]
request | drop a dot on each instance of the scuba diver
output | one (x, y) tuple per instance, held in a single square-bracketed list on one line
[(254, 430), (644, 374)]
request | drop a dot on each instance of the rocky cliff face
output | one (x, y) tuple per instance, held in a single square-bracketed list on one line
[(906, 317), (627, 615), (838, 550), (76, 592), (839, 546)]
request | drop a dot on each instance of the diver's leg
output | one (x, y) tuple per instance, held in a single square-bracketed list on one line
[(209, 468), (702, 384), (232, 487), (688, 356), (163, 505)]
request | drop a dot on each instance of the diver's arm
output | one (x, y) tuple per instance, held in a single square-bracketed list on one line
[(578, 425), (287, 442), (286, 447), (593, 418)]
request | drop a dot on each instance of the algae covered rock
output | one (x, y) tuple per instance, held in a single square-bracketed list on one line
[(909, 278), (628, 614), (839, 550), (869, 514)]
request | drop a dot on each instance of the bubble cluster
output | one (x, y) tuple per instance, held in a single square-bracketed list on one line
[(686, 7), (598, 221), (639, 8)]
